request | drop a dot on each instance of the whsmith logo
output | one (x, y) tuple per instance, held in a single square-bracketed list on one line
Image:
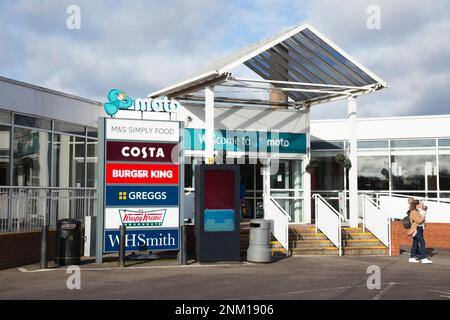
[(120, 100)]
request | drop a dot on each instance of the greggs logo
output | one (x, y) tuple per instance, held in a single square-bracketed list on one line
[(141, 195), (140, 218)]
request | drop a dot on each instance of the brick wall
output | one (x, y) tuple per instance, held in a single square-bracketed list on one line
[(22, 248), (437, 236)]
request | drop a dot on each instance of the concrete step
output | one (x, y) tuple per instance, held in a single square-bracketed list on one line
[(357, 236), (362, 242), (279, 250), (323, 251), (311, 244), (351, 229), (304, 244), (366, 251)]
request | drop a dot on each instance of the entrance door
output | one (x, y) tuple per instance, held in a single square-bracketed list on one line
[(252, 183), (287, 189)]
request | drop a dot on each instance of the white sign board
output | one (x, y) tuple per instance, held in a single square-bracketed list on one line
[(138, 130), (142, 217)]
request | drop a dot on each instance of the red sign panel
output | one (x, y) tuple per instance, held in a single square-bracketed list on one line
[(141, 173), (141, 151)]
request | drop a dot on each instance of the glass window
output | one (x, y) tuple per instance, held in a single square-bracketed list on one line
[(31, 157), (5, 135), (32, 122), (289, 176), (327, 145), (188, 175), (92, 132), (444, 170), (5, 117), (92, 148), (414, 172), (373, 173), (444, 142), (92, 153), (69, 161), (70, 128), (329, 175), (381, 144), (421, 143)]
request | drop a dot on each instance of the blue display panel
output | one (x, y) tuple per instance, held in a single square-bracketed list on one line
[(219, 220), (142, 240)]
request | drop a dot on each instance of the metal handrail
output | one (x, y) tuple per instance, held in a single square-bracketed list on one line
[(388, 219), (339, 242), (268, 197), (278, 206), (329, 206), (409, 196)]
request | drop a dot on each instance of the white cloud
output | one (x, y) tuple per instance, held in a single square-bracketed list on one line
[(141, 46), (411, 52)]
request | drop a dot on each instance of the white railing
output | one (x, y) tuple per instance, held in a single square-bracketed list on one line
[(279, 221), (376, 221), (396, 205), (329, 221), (25, 208)]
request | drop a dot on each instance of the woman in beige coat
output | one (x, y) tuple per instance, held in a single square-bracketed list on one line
[(418, 249)]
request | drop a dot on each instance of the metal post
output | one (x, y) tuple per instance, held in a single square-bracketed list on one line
[(123, 232), (209, 124), (44, 246), (184, 250), (100, 190), (307, 210), (353, 172)]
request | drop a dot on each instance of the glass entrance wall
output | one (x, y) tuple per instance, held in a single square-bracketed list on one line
[(329, 179), (286, 187), (252, 183), (416, 167), (46, 153)]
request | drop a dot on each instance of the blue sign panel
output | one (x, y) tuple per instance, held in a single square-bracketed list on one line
[(143, 240), (247, 141), (141, 196), (217, 220)]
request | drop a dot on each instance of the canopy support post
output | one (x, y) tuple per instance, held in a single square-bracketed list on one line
[(209, 124), (353, 172)]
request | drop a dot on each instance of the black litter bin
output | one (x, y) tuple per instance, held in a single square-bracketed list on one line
[(68, 242)]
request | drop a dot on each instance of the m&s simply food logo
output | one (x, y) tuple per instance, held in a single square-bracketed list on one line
[(140, 218)]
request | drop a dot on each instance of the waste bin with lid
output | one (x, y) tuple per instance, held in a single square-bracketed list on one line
[(259, 249), (68, 242)]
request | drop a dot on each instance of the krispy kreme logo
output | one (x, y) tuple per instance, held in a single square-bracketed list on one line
[(140, 218)]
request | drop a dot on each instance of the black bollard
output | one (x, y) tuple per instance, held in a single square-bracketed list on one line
[(123, 232)]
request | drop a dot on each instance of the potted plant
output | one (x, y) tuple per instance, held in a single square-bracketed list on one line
[(343, 161), (313, 163)]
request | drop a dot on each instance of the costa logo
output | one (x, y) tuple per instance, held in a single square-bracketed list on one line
[(139, 151), (143, 152)]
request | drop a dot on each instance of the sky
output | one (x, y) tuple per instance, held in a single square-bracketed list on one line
[(142, 46)]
